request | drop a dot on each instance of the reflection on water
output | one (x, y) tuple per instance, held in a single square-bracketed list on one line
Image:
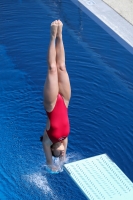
[(100, 109)]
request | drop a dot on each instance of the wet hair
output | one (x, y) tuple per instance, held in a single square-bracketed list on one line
[(53, 152), (41, 139)]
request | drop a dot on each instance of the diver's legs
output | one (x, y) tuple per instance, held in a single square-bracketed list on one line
[(51, 87), (63, 78)]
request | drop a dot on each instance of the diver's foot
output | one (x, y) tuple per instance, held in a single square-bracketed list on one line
[(59, 30), (54, 27)]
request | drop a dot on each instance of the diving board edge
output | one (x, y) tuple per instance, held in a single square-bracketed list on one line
[(76, 183), (100, 178)]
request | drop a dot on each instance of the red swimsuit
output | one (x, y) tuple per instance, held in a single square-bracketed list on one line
[(59, 122)]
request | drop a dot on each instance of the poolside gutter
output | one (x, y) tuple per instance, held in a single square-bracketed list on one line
[(112, 22)]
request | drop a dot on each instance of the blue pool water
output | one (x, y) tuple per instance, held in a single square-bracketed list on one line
[(101, 107)]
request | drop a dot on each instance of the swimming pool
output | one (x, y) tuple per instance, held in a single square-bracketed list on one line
[(101, 107)]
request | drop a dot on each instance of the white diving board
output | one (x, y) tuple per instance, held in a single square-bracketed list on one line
[(99, 178)]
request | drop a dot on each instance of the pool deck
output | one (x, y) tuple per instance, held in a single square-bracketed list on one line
[(123, 7), (113, 16)]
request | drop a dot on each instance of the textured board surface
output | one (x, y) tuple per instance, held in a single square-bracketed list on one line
[(100, 178)]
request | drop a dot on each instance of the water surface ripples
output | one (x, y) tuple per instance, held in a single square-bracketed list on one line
[(101, 107)]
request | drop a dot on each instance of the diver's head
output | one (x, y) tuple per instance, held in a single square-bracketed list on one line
[(58, 149)]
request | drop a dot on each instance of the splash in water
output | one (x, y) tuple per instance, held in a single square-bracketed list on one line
[(39, 180)]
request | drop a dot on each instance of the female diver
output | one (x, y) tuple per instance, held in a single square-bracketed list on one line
[(57, 93)]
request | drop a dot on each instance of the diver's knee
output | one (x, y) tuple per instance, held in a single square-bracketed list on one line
[(62, 67), (52, 68)]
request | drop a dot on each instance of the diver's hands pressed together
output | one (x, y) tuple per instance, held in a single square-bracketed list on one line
[(52, 168), (59, 150)]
